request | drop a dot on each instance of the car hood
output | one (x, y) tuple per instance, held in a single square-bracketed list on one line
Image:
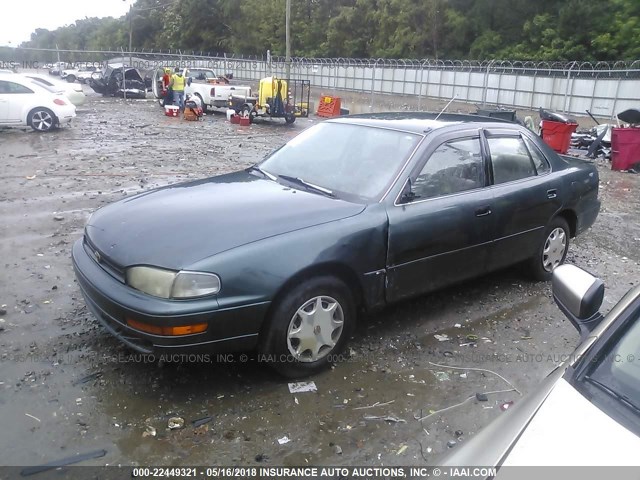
[(553, 425), (178, 225), (570, 430)]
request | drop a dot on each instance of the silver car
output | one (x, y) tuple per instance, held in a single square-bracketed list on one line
[(587, 411)]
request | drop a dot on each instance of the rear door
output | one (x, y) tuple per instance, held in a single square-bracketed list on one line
[(526, 195), (442, 234)]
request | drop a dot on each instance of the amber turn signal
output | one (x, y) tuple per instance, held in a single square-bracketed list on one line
[(167, 331)]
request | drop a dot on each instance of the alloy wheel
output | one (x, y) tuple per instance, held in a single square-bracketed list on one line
[(42, 120)]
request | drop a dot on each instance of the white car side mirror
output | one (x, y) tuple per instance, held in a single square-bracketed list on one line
[(579, 295)]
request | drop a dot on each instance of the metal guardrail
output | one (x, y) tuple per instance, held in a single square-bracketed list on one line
[(602, 87)]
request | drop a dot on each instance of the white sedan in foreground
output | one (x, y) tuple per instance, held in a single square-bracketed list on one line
[(23, 101), (587, 411)]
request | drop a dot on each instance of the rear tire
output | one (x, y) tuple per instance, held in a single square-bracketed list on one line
[(70, 78), (42, 119), (309, 326), (553, 250), (289, 118)]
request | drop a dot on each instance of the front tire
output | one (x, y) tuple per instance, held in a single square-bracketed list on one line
[(70, 78), (309, 326), (553, 250), (41, 119), (289, 118)]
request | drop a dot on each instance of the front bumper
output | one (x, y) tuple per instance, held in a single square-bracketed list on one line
[(112, 303)]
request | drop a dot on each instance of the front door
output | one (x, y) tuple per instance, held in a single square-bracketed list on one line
[(441, 232)]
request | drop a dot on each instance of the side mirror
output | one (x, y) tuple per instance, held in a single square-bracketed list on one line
[(579, 296), (189, 80), (408, 195)]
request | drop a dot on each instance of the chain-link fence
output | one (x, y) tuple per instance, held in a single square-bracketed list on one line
[(602, 88)]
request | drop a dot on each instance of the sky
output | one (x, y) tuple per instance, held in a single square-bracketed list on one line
[(51, 14)]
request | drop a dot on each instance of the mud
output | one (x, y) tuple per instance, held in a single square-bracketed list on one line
[(67, 387)]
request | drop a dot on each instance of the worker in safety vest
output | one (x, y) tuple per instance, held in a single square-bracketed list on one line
[(177, 85)]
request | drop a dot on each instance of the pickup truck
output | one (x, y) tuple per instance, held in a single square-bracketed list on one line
[(214, 91), (81, 73)]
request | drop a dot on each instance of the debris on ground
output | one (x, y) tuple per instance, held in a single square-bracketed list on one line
[(149, 431), (386, 418), (301, 387), (506, 405), (87, 378), (175, 423), (284, 440), (442, 338), (201, 421), (377, 404)]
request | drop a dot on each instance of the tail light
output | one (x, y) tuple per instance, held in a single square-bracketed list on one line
[(57, 101)]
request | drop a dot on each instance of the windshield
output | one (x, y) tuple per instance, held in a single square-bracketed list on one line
[(201, 74), (619, 367), (610, 376), (346, 159)]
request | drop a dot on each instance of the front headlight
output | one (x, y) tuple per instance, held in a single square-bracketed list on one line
[(169, 284)]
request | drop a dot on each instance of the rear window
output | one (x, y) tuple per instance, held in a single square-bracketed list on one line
[(40, 83)]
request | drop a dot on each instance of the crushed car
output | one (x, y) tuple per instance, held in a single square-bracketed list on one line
[(109, 82)]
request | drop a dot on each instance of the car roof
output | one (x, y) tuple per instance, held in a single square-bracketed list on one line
[(417, 122), (27, 82)]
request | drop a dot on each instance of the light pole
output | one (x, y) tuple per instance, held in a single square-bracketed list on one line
[(288, 40), (130, 33)]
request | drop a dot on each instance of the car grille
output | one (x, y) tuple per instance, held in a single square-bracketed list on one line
[(113, 269)]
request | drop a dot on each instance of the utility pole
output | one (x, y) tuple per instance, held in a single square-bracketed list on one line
[(130, 34), (288, 40)]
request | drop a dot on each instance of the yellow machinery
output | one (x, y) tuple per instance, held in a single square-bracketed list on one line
[(277, 98)]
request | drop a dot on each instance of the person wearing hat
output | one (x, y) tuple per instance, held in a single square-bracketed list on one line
[(166, 90), (177, 85)]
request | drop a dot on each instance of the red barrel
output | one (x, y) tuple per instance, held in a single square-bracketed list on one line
[(558, 135), (625, 148)]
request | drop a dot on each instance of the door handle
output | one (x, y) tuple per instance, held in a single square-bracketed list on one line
[(483, 211), (553, 193)]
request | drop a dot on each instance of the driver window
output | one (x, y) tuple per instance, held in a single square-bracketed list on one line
[(454, 167)]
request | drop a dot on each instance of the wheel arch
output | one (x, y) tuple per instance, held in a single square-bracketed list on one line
[(335, 269), (572, 220), (56, 120)]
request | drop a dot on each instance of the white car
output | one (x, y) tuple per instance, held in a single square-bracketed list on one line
[(587, 411), (81, 73), (23, 101), (72, 91)]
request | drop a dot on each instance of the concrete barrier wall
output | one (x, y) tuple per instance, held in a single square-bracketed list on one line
[(571, 93)]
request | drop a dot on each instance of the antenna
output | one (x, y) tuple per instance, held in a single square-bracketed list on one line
[(447, 106)]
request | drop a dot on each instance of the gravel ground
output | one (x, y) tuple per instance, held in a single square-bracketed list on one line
[(67, 387)]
